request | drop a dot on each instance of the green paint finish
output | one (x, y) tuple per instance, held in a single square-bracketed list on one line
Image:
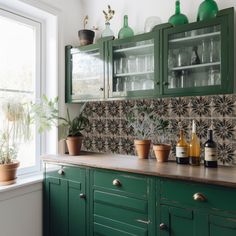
[(186, 190), (133, 184)]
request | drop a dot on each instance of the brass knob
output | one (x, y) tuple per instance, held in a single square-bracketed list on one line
[(116, 182), (101, 89), (199, 197), (163, 226), (165, 83), (82, 195), (61, 171)]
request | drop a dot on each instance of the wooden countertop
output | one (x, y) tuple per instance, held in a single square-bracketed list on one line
[(224, 176)]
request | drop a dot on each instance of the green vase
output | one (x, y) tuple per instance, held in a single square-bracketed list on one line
[(178, 18), (207, 9), (125, 31)]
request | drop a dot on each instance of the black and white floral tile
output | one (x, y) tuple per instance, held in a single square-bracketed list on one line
[(108, 130)]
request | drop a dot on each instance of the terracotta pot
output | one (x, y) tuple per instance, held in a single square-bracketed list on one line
[(8, 173), (162, 152), (74, 145), (142, 147), (86, 37)]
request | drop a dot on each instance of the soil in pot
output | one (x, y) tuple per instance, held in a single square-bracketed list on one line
[(8, 173), (74, 145), (142, 148), (162, 152), (86, 37)]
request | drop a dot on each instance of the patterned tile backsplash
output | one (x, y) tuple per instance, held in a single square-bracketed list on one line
[(108, 131)]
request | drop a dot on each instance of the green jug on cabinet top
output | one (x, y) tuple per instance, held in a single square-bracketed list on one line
[(207, 9), (178, 18), (125, 31)]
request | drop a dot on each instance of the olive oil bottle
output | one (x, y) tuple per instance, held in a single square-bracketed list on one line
[(194, 147)]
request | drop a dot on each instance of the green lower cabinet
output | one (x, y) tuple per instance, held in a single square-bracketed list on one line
[(64, 207)]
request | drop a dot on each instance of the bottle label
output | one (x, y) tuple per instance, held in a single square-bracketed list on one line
[(181, 152), (210, 154)]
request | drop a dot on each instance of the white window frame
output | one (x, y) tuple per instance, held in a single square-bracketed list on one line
[(46, 19)]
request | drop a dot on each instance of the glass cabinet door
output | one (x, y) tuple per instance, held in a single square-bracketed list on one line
[(87, 74), (133, 68), (193, 60)]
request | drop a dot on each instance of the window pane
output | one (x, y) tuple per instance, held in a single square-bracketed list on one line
[(18, 44)]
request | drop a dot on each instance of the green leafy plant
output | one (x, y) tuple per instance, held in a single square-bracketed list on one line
[(145, 123)]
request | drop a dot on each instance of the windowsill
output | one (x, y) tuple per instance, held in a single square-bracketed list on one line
[(23, 181)]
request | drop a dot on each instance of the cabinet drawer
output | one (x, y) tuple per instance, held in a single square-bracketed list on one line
[(122, 182), (65, 172), (198, 195)]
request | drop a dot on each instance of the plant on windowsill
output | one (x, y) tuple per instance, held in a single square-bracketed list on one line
[(86, 36), (15, 128), (46, 110), (145, 125)]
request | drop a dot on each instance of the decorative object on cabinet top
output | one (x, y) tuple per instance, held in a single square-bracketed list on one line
[(125, 31), (178, 18), (218, 110), (207, 9), (86, 36), (108, 16), (151, 22)]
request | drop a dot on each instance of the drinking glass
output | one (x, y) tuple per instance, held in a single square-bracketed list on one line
[(132, 65), (205, 52)]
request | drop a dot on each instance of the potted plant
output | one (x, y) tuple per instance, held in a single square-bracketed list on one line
[(15, 127), (160, 147), (86, 36), (46, 115), (144, 123)]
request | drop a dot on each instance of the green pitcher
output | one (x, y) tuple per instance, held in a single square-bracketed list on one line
[(178, 18), (207, 9)]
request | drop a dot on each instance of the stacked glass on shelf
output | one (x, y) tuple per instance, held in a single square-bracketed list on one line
[(194, 58), (134, 67)]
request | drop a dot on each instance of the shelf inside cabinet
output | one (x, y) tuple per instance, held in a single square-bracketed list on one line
[(87, 78), (196, 66), (133, 74), (195, 37), (136, 50)]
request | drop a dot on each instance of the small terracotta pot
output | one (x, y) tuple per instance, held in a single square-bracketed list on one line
[(142, 147), (162, 152), (74, 145), (8, 173)]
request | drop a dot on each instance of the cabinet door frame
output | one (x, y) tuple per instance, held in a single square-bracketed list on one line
[(69, 50), (139, 93), (225, 20)]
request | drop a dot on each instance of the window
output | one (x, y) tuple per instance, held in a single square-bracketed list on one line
[(20, 74)]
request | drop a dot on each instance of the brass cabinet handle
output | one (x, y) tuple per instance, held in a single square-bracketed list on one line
[(61, 171), (163, 226), (82, 195), (165, 83), (101, 89), (143, 221), (116, 182), (199, 197)]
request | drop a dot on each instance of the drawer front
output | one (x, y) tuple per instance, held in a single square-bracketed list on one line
[(121, 182), (198, 195), (65, 172)]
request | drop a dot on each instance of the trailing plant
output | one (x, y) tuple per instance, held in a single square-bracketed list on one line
[(145, 123)]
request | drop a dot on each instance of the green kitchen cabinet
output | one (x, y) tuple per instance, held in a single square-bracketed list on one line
[(122, 204), (198, 58), (188, 208), (86, 72), (64, 202)]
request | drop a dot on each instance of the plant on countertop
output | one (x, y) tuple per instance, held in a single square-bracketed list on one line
[(145, 125)]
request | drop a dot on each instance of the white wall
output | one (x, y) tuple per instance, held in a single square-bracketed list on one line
[(139, 10)]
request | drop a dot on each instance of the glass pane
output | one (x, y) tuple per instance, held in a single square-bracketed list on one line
[(133, 66), (194, 58), (17, 82), (87, 69)]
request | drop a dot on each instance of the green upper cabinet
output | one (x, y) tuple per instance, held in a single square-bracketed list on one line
[(198, 58), (133, 66), (85, 72)]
